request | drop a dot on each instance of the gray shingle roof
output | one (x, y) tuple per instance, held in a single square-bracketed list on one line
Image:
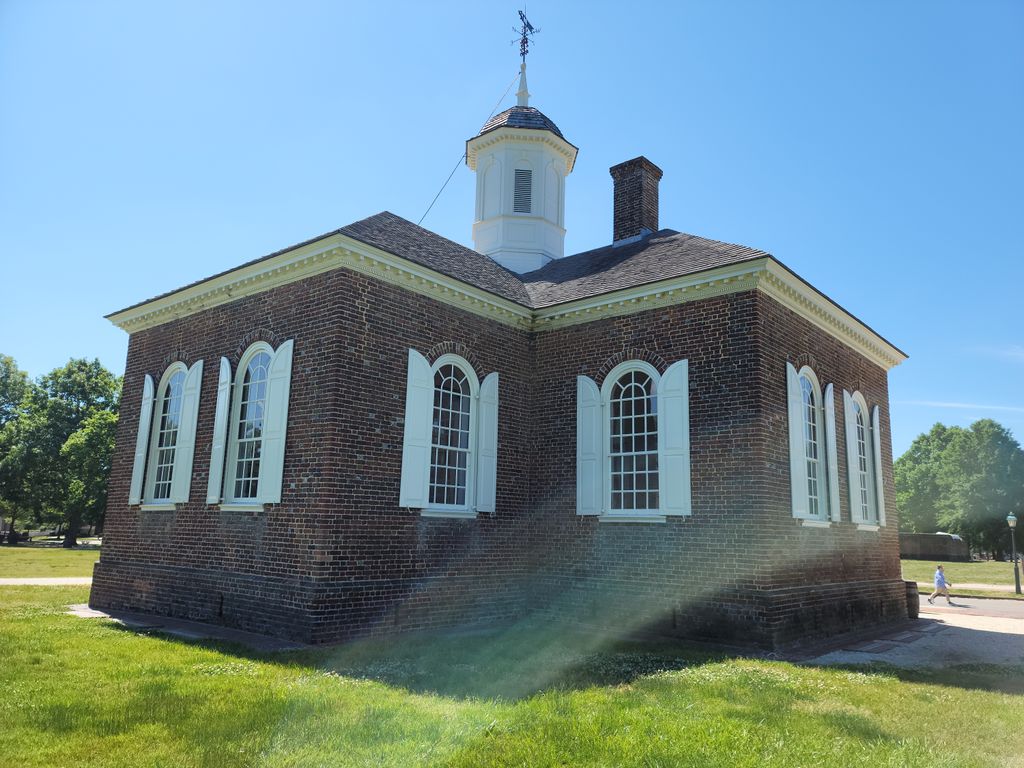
[(521, 117), (659, 256), (403, 238)]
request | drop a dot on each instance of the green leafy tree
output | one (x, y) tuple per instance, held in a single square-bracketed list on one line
[(86, 456), (36, 475), (922, 476), (964, 481), (14, 385), (14, 390), (989, 485)]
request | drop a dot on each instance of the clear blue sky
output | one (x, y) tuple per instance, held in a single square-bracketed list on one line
[(873, 147)]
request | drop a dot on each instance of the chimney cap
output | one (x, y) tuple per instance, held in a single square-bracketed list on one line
[(636, 164)]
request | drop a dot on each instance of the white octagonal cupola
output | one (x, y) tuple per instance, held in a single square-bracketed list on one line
[(521, 160)]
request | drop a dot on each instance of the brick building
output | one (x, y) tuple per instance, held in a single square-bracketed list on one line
[(380, 430)]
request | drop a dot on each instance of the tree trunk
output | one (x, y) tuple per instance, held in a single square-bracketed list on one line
[(71, 534), (12, 537)]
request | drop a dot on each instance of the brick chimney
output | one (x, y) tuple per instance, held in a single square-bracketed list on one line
[(636, 199)]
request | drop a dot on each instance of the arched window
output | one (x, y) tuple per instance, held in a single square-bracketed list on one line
[(450, 447), (165, 444), (164, 440), (452, 435), (255, 427), (811, 405), (812, 446), (633, 443), (863, 457), (248, 442)]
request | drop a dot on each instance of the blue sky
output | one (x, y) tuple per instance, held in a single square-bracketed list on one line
[(873, 147)]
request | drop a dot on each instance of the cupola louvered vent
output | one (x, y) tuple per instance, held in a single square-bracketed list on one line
[(523, 197)]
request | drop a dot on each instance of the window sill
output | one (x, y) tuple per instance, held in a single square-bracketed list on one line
[(169, 506), (240, 507), (810, 522), (868, 527), (652, 517), (459, 514)]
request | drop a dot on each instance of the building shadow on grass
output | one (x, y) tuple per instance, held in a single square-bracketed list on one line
[(511, 662)]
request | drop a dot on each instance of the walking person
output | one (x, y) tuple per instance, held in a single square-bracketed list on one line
[(941, 586)]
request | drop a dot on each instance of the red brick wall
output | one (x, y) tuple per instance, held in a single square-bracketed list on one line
[(740, 567), (338, 558)]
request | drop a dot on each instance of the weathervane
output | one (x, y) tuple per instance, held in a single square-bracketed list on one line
[(525, 33)]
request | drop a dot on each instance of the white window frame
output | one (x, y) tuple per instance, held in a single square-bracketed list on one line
[(593, 444), (827, 474), (606, 422), (469, 508), (418, 438), (149, 498), (275, 425), (872, 486)]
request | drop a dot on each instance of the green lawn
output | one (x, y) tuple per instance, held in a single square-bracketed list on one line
[(24, 561), (76, 692), (987, 572)]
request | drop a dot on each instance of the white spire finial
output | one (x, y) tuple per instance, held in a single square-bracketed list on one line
[(522, 94)]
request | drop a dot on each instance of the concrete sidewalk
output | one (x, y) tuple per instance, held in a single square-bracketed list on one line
[(974, 630), (47, 581)]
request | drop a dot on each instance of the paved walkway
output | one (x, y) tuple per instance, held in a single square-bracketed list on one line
[(48, 581), (925, 587), (974, 630)]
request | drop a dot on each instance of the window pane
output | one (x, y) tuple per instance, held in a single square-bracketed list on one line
[(633, 445), (250, 426), (449, 456)]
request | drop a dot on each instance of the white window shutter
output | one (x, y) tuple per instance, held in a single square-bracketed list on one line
[(141, 441), (853, 473), (829, 406), (674, 439), (220, 434), (181, 479), (797, 450), (487, 445), (275, 424), (876, 438), (419, 415), (589, 452)]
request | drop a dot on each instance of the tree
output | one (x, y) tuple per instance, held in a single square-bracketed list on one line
[(964, 481), (86, 456), (14, 385), (36, 475), (14, 389), (988, 487), (921, 475)]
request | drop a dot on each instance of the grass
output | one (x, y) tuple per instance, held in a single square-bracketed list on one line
[(76, 692), (26, 560)]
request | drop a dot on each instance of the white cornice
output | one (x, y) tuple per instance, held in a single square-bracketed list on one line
[(340, 252), (677, 290), (499, 135), (793, 293), (332, 252)]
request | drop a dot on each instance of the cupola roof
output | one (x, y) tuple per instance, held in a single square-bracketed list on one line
[(521, 117)]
